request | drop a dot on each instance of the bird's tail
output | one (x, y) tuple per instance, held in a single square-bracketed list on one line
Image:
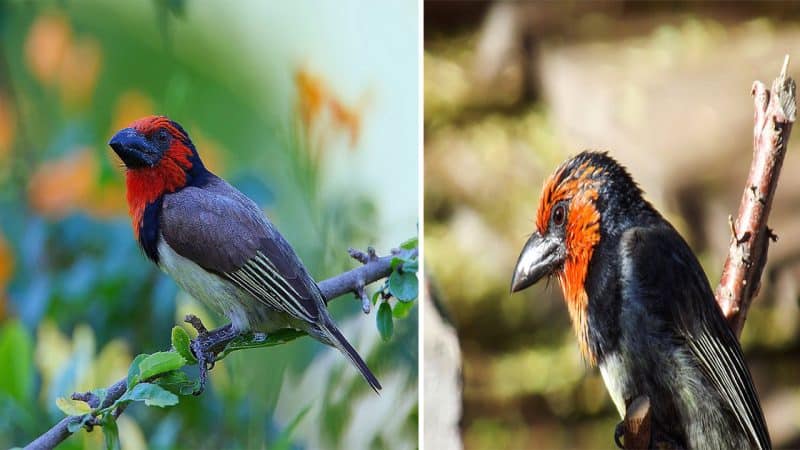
[(338, 340)]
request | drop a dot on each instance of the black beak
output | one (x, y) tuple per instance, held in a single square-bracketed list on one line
[(541, 256), (133, 149)]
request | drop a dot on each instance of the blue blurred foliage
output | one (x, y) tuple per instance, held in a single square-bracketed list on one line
[(83, 267)]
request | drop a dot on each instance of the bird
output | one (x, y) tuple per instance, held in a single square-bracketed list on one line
[(215, 242), (641, 307)]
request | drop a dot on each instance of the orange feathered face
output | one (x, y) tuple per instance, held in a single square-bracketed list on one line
[(158, 156), (567, 231)]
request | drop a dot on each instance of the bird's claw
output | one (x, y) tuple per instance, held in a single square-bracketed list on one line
[(205, 360), (207, 346)]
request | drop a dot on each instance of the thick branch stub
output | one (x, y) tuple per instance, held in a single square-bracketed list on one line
[(637, 424)]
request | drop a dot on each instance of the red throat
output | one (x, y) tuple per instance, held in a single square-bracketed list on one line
[(147, 184)]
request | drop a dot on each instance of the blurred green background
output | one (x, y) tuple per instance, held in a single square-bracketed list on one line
[(511, 90), (308, 107)]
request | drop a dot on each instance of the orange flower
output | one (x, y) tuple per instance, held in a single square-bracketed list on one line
[(346, 118), (79, 71), (131, 105), (323, 113), (60, 186), (47, 43), (312, 92)]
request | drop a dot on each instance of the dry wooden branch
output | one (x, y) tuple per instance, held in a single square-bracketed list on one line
[(741, 276)]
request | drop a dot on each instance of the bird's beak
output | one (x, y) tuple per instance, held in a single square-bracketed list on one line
[(133, 149), (541, 256)]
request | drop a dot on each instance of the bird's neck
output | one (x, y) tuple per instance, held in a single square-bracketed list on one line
[(577, 304), (147, 185)]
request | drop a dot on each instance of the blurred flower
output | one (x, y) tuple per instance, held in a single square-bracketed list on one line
[(56, 58), (79, 71), (7, 125), (60, 186), (311, 92), (130, 106), (323, 113), (346, 118), (47, 43)]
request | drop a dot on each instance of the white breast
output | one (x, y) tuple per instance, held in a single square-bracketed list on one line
[(215, 292)]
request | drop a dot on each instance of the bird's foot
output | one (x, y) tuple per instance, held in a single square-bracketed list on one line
[(207, 345)]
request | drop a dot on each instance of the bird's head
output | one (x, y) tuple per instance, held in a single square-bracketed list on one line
[(590, 198), (159, 158), (152, 140)]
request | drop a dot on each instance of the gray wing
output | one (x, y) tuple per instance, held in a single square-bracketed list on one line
[(225, 232), (668, 270)]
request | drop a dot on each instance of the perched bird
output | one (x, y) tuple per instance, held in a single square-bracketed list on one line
[(215, 242), (641, 306)]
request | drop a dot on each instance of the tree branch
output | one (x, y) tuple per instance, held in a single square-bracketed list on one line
[(374, 269), (741, 276)]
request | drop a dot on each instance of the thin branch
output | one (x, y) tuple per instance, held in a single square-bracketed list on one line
[(741, 276), (374, 269)]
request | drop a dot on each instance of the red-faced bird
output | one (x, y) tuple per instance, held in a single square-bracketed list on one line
[(215, 242), (641, 307)]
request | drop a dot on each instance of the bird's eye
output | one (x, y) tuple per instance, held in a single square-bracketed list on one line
[(559, 215), (162, 137)]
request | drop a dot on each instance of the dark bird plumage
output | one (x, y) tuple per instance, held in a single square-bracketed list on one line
[(642, 307), (217, 243)]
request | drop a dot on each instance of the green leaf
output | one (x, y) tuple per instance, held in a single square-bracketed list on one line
[(396, 261), (158, 363), (403, 285), (16, 361), (410, 244), (72, 407), (111, 432), (74, 425), (375, 296), (182, 344), (411, 265), (151, 394), (277, 337), (401, 309), (384, 318), (284, 441), (133, 370), (178, 382)]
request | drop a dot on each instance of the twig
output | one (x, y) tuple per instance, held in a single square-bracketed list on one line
[(741, 275), (374, 269)]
